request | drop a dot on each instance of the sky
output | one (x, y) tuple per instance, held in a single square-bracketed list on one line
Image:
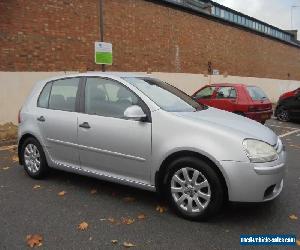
[(274, 12)]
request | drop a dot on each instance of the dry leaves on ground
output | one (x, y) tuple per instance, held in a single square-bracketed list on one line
[(128, 244), (298, 242), (62, 193), (112, 220), (161, 209), (127, 220), (15, 158), (34, 240), (5, 168), (293, 217), (129, 199), (114, 241), (6, 148), (83, 226), (36, 186), (94, 191), (141, 216)]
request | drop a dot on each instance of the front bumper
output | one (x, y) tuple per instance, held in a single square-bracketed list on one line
[(254, 182), (260, 116)]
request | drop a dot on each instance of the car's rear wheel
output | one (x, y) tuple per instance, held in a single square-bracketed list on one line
[(33, 158), (194, 189), (283, 114)]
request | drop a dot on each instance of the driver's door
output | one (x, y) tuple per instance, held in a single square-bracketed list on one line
[(109, 143)]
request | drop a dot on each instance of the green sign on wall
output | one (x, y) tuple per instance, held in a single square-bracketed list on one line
[(103, 53)]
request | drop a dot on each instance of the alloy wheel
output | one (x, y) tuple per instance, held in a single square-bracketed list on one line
[(190, 190), (32, 158), (283, 115)]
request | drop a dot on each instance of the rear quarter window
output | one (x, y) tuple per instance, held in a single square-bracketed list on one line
[(43, 100)]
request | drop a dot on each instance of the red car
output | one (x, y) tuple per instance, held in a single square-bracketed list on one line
[(249, 101)]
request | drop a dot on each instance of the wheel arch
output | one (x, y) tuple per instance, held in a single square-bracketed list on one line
[(160, 175), (21, 141)]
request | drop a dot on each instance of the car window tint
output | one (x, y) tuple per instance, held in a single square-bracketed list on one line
[(226, 92), (63, 94), (44, 96), (106, 97), (205, 93)]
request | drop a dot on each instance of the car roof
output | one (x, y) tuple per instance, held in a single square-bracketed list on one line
[(100, 74), (227, 84)]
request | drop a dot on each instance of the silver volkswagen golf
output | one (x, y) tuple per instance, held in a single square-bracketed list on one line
[(139, 131)]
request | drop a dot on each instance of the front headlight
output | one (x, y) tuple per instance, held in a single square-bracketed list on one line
[(258, 151)]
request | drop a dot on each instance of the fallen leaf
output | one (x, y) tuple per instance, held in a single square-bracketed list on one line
[(127, 220), (34, 240), (293, 217), (128, 244), (5, 168), (129, 199), (141, 216), (36, 186), (112, 220), (90, 238), (298, 242), (62, 193), (15, 158), (94, 191), (114, 241), (83, 226), (161, 209)]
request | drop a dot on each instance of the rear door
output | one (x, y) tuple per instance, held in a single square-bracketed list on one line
[(204, 95), (111, 145), (225, 98), (56, 118)]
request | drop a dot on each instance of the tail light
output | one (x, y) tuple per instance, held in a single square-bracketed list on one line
[(19, 116), (252, 109)]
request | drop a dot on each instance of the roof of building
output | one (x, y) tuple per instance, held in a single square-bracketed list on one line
[(235, 18)]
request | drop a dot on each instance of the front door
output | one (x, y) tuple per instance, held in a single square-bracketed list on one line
[(110, 144), (225, 98), (56, 119)]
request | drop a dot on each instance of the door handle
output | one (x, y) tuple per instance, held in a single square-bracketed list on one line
[(85, 125), (41, 119)]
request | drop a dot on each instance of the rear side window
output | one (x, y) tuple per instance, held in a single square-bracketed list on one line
[(226, 93), (63, 94), (256, 93), (44, 96)]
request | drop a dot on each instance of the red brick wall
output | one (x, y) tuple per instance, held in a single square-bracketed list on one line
[(60, 35)]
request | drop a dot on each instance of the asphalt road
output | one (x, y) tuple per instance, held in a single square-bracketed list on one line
[(29, 206)]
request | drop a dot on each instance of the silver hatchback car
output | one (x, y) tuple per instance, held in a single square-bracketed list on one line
[(139, 131)]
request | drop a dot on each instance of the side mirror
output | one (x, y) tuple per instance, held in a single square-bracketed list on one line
[(135, 113)]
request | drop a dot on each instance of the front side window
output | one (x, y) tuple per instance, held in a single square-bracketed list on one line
[(164, 95), (106, 97), (226, 93), (63, 94), (205, 93)]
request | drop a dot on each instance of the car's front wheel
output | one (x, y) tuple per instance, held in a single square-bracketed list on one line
[(283, 114), (194, 189), (33, 158)]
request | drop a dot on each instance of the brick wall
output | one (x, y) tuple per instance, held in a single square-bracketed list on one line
[(60, 34)]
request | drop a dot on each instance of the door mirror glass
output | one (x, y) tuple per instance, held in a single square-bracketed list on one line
[(135, 112)]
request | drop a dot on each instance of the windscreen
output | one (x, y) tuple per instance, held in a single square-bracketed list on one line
[(164, 95)]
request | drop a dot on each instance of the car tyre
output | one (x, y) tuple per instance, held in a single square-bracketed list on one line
[(193, 189), (33, 158), (282, 114)]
